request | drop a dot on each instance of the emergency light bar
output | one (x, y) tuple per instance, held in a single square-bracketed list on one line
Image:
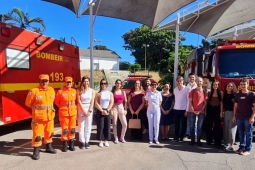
[(229, 42)]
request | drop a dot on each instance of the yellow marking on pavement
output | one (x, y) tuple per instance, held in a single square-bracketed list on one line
[(24, 144)]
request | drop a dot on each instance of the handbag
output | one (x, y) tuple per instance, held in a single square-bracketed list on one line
[(134, 123)]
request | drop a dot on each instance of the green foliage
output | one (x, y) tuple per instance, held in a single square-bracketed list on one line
[(124, 65), (208, 45), (20, 19), (135, 67), (161, 43)]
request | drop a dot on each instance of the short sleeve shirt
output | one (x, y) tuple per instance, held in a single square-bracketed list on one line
[(153, 98), (244, 101), (198, 98)]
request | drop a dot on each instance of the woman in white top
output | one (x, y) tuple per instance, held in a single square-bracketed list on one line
[(153, 99), (85, 100), (104, 102)]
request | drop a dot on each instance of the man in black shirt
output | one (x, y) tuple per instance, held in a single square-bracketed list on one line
[(244, 116)]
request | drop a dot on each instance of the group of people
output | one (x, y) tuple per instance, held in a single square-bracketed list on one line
[(188, 108)]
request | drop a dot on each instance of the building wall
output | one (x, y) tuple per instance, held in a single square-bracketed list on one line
[(100, 63)]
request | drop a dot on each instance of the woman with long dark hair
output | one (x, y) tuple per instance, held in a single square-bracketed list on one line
[(213, 119), (136, 104), (119, 111), (104, 102), (85, 101), (229, 132)]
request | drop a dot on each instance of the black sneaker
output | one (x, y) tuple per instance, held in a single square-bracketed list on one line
[(87, 146), (81, 146), (199, 143), (192, 142), (176, 139), (181, 140)]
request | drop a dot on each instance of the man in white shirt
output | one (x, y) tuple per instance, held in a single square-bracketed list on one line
[(180, 107), (190, 86)]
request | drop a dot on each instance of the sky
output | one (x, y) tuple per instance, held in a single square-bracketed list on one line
[(63, 23)]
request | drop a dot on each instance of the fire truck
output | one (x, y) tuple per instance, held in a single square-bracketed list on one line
[(228, 62), (23, 56)]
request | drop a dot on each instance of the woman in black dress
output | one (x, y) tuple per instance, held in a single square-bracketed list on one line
[(166, 111)]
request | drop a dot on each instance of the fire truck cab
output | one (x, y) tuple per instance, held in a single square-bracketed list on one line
[(23, 56), (228, 62)]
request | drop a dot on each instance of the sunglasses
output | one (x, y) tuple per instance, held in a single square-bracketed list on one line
[(103, 83), (154, 84)]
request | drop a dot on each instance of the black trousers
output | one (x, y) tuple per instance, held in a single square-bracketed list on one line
[(180, 120), (213, 125), (135, 133), (103, 126), (145, 121)]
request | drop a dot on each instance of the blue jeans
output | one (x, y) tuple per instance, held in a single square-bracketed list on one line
[(245, 134), (188, 125), (200, 120)]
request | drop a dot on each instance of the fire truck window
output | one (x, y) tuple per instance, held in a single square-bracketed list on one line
[(128, 84), (236, 62), (17, 59)]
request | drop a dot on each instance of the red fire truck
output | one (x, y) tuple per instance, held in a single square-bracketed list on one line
[(228, 62), (23, 56)]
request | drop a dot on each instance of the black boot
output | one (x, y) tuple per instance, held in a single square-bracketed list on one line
[(49, 149), (65, 145), (36, 154), (71, 145)]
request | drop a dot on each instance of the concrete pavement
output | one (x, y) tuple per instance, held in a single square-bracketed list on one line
[(15, 152)]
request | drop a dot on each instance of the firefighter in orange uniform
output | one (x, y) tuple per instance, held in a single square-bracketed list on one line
[(65, 100), (40, 100)]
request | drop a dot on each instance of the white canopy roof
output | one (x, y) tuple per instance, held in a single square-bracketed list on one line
[(148, 12), (213, 18), (244, 31)]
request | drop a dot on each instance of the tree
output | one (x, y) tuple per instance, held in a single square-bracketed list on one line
[(20, 19), (135, 67), (208, 45), (161, 43), (124, 65)]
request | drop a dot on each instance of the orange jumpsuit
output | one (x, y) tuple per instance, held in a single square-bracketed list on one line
[(65, 100), (41, 102)]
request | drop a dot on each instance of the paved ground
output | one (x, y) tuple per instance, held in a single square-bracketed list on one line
[(15, 152)]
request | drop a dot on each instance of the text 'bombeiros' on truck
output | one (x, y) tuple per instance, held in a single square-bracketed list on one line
[(228, 62), (23, 56)]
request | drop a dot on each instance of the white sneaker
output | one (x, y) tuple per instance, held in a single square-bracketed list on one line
[(145, 131), (106, 144), (150, 142), (157, 143), (101, 144), (229, 149), (116, 141)]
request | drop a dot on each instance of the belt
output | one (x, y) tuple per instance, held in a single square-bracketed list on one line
[(154, 106), (42, 107), (67, 103), (85, 103)]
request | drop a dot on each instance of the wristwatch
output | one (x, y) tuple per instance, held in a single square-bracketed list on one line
[(90, 111)]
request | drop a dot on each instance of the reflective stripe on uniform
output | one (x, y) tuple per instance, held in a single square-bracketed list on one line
[(41, 107), (34, 123), (67, 103)]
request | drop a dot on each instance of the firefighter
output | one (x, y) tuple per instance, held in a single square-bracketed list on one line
[(65, 100), (40, 100)]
